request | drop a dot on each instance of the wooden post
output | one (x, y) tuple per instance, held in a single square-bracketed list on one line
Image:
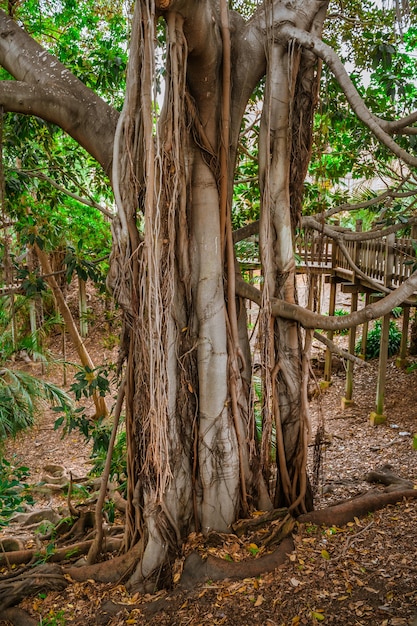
[(332, 307), (377, 416), (328, 359), (365, 329), (347, 400), (402, 357)]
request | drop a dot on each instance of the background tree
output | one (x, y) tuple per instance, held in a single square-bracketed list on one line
[(193, 458)]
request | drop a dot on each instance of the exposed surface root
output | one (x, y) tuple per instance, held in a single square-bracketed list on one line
[(244, 526), (17, 587), (14, 587), (345, 512), (18, 617), (385, 476), (197, 570), (107, 571), (20, 557), (49, 577)]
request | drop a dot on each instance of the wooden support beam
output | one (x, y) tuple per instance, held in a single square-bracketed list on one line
[(347, 400), (330, 333), (378, 416), (402, 357), (365, 329), (351, 288), (354, 289), (332, 278)]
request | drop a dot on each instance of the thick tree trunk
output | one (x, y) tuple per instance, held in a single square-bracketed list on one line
[(283, 384), (192, 460)]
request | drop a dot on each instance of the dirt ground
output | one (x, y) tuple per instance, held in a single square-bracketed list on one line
[(364, 573)]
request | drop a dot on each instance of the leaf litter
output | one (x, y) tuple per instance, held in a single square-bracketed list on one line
[(364, 573)]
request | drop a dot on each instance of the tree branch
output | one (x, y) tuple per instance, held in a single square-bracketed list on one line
[(310, 222), (87, 201), (45, 87), (389, 193), (308, 319), (287, 32), (336, 350)]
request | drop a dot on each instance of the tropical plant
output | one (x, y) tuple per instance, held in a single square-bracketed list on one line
[(14, 492), (21, 396), (373, 341), (118, 468)]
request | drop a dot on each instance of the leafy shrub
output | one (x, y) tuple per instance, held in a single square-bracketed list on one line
[(89, 381), (397, 312), (97, 431), (13, 492), (374, 339), (118, 469)]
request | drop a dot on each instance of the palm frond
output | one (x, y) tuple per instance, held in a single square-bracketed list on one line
[(20, 397)]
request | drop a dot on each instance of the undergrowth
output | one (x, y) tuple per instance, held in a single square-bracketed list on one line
[(14, 492), (373, 340)]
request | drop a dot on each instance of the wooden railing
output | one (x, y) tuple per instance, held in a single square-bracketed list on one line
[(320, 253), (313, 250)]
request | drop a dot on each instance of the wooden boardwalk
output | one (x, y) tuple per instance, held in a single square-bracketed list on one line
[(378, 264), (387, 261)]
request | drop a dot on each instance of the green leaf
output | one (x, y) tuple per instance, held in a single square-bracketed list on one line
[(318, 616)]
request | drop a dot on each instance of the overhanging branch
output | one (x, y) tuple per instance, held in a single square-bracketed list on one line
[(309, 319), (45, 87), (287, 33), (336, 350)]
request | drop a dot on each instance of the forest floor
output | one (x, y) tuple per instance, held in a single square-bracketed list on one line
[(363, 573)]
